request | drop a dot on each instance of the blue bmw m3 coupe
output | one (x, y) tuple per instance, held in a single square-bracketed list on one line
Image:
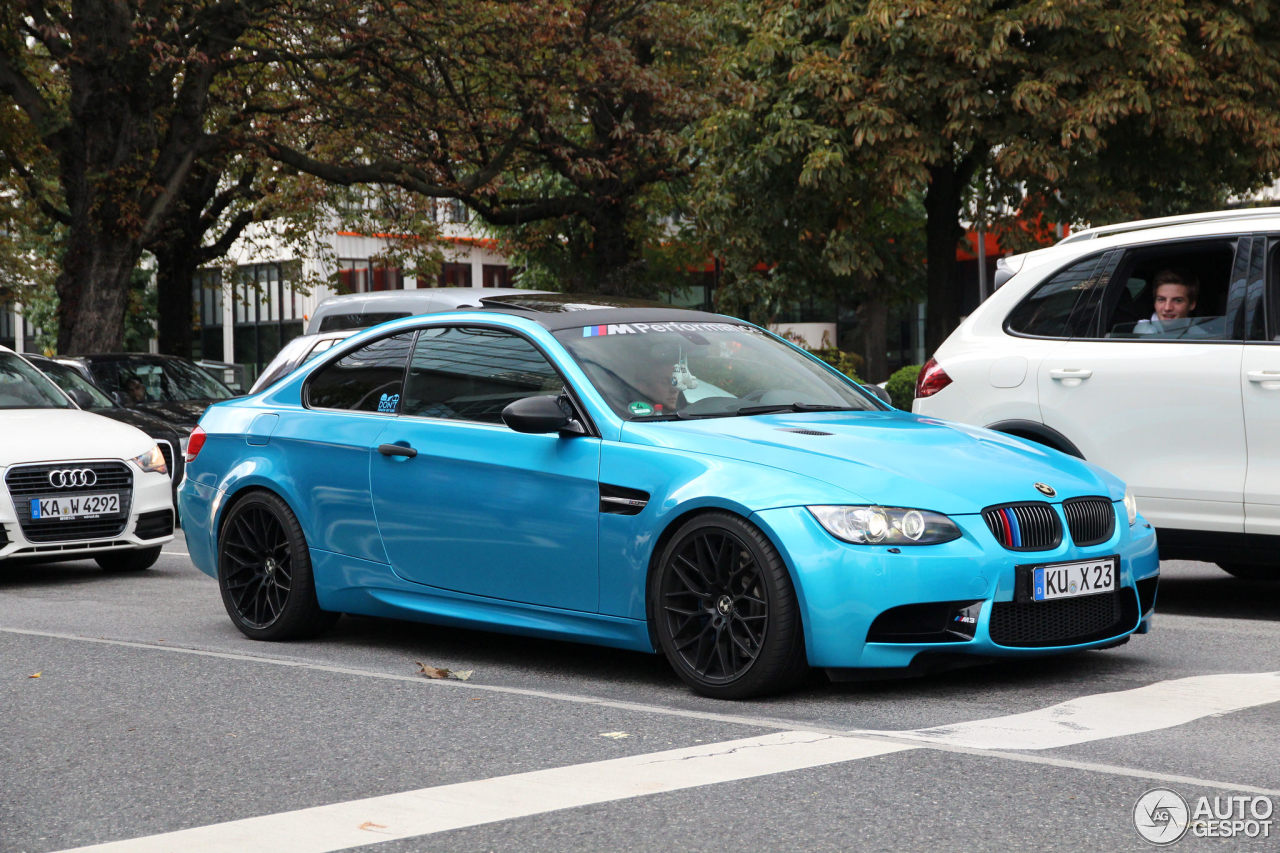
[(654, 479)]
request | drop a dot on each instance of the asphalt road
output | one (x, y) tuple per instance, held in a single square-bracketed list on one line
[(131, 709)]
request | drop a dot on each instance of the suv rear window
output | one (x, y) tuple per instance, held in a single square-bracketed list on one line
[(362, 320)]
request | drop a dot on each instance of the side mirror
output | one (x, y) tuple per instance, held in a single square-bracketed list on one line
[(541, 414), (82, 398), (880, 393)]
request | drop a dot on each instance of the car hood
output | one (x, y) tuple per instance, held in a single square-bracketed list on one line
[(182, 415), (149, 424), (889, 458), (44, 435)]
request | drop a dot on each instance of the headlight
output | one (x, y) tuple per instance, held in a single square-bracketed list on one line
[(1130, 506), (152, 460), (879, 525)]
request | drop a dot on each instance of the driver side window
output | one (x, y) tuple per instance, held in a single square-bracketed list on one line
[(471, 373)]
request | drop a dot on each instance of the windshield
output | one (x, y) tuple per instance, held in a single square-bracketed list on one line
[(70, 380), (142, 380), (24, 387), (703, 370)]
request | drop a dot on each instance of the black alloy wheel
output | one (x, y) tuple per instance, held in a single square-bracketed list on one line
[(264, 572), (724, 610)]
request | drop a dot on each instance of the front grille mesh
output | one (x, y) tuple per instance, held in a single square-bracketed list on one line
[(1063, 622), (1024, 526), (1090, 520), (32, 481)]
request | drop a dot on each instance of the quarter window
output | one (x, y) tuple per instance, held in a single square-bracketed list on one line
[(1065, 306), (471, 374), (367, 380)]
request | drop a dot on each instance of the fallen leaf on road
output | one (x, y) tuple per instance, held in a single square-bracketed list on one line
[(441, 672), (615, 735), (34, 675), (370, 826)]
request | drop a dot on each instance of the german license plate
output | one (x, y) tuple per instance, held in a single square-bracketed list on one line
[(1069, 580), (75, 506)]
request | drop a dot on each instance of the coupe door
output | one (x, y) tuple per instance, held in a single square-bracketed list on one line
[(471, 506)]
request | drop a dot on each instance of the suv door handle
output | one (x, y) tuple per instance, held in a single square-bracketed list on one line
[(1076, 373), (1266, 377)]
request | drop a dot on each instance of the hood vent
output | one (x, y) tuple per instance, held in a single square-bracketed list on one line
[(800, 431)]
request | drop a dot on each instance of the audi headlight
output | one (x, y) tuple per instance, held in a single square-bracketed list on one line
[(1130, 506), (152, 460), (881, 525)]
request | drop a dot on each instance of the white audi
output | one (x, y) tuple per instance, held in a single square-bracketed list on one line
[(75, 484)]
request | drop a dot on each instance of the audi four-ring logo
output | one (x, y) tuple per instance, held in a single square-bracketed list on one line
[(71, 478)]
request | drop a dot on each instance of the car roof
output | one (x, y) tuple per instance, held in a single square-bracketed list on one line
[(1232, 215), (556, 311), (426, 300)]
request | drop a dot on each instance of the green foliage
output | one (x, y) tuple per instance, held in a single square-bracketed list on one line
[(140, 320), (848, 363), (902, 386)]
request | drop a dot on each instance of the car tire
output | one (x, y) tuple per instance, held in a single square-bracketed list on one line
[(264, 572), (1251, 571), (724, 611), (128, 561)]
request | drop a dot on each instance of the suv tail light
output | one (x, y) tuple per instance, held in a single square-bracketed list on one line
[(194, 443), (931, 380)]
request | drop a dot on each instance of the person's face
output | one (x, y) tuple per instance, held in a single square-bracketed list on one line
[(1173, 301), (655, 380)]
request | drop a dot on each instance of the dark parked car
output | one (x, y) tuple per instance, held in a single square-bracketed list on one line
[(91, 398), (170, 387)]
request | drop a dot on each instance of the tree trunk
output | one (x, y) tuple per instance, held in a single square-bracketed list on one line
[(942, 208), (616, 262), (93, 290), (175, 270), (873, 317)]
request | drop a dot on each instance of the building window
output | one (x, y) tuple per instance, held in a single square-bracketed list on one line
[(497, 275), (361, 275), (455, 211), (455, 275), (266, 316), (206, 303)]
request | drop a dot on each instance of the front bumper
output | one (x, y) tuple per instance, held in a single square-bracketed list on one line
[(846, 591), (148, 519)]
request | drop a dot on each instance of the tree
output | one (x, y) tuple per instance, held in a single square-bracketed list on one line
[(117, 96), (1046, 96), (558, 112)]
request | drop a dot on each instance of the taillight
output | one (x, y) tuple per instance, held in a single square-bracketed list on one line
[(194, 443), (931, 380)]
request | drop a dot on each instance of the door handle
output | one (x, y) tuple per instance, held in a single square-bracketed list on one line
[(1076, 373), (1265, 377), (397, 450)]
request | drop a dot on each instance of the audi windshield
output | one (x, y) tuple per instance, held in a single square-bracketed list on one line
[(24, 387)]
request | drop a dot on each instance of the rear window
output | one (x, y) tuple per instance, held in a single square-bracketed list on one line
[(359, 320)]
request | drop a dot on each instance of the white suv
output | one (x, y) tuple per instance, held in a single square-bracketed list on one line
[(1071, 352), (74, 484)]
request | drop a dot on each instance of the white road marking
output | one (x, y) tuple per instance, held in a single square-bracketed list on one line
[(1105, 715), (1156, 706), (439, 809)]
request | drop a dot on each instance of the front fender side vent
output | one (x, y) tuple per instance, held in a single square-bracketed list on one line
[(619, 500)]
